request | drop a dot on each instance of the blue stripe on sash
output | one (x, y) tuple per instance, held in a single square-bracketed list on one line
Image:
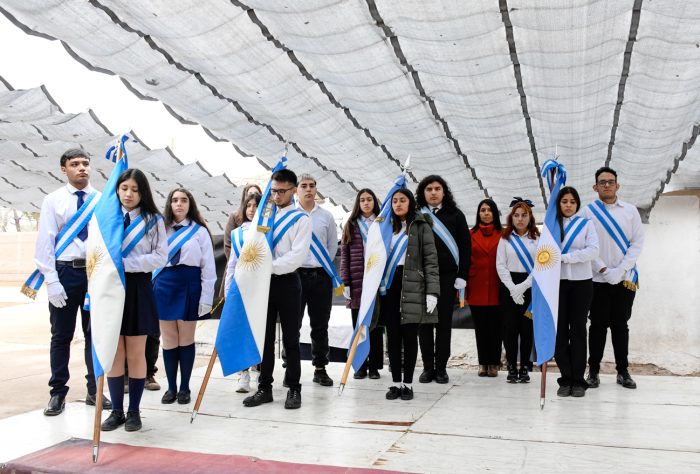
[(395, 255), (522, 253), (321, 255), (444, 234), (571, 232), (172, 250), (296, 215), (142, 231)]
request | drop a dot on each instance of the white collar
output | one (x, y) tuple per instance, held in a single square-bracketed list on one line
[(134, 213), (72, 189)]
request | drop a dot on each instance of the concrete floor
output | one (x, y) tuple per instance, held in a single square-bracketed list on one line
[(471, 424)]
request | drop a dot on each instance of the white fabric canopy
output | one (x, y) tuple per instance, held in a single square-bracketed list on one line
[(481, 92)]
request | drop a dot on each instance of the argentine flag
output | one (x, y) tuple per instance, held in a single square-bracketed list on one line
[(545, 275), (105, 269), (240, 339), (376, 252)]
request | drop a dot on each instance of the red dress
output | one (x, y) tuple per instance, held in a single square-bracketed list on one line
[(483, 283)]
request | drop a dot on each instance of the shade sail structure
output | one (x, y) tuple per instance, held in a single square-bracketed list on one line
[(481, 92), (34, 132)]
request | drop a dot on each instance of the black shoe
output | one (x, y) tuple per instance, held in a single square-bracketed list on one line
[(293, 400), (623, 379), (578, 391), (564, 391), (321, 377), (393, 393), (133, 421), (523, 375), (258, 398), (91, 401), (360, 374), (115, 420), (56, 405), (406, 393), (168, 397), (373, 374), (512, 376), (593, 380), (183, 397), (441, 376), (427, 376)]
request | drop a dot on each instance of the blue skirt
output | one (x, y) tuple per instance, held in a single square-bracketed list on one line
[(140, 316), (177, 290)]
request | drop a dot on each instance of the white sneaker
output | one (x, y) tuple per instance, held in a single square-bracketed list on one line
[(243, 385)]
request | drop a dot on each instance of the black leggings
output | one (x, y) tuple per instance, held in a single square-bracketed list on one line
[(518, 327), (570, 351), (398, 334)]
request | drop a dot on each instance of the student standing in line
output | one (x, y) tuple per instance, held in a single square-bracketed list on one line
[(184, 289), (352, 270), (143, 222)]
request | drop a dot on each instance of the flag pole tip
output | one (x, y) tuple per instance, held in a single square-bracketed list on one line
[(95, 452), (541, 403), (341, 387), (194, 415)]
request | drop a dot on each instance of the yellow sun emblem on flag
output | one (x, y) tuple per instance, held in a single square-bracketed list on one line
[(372, 261), (547, 257), (252, 255), (95, 256)]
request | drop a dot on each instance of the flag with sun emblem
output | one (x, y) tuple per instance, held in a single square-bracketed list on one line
[(376, 253), (240, 338), (105, 269), (545, 275)]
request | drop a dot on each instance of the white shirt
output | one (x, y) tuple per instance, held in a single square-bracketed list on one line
[(293, 248), (576, 263), (198, 252), (394, 238), (610, 255), (57, 209), (232, 260), (324, 227), (507, 260), (152, 250)]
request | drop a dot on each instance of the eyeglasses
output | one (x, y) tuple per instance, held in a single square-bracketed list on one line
[(280, 192), (604, 183)]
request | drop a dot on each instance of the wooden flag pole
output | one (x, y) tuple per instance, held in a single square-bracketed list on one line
[(203, 388), (98, 419), (348, 363), (543, 384)]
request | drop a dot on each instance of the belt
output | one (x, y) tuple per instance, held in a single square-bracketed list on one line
[(310, 269), (77, 263)]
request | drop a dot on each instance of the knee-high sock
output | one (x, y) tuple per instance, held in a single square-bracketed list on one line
[(187, 354), (170, 359), (135, 392), (116, 392)]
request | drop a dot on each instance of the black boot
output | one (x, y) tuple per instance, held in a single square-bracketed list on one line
[(524, 376)]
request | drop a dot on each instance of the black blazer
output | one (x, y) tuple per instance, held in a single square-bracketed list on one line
[(456, 223)]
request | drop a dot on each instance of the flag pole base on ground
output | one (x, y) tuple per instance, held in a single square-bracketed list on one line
[(203, 388), (348, 363), (98, 419), (543, 385)]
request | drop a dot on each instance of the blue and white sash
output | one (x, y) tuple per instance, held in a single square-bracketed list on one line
[(525, 259), (64, 238), (237, 241), (283, 224), (364, 229), (176, 241), (136, 231), (615, 232), (321, 255), (444, 234), (396, 252), (572, 230)]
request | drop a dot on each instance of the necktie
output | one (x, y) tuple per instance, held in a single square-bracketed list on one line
[(82, 235), (127, 220), (435, 209), (176, 258)]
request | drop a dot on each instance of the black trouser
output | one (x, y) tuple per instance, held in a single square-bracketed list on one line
[(436, 352), (375, 360), (518, 327), (570, 351), (317, 294), (488, 329), (611, 308), (399, 335), (74, 281), (284, 301)]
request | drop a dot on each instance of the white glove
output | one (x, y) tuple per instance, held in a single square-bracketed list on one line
[(518, 298), (430, 303), (346, 293), (518, 292), (614, 275), (460, 284), (565, 258), (57, 295), (203, 309)]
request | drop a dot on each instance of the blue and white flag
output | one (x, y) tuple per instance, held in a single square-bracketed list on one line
[(105, 269), (376, 256), (545, 275), (240, 339)]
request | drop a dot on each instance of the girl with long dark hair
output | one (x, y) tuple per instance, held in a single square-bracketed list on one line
[(352, 269), (184, 289)]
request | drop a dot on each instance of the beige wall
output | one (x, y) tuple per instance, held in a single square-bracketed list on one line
[(17, 256)]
